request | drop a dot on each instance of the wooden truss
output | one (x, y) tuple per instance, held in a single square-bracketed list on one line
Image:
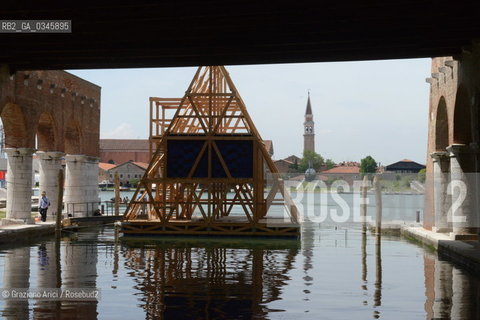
[(209, 165)]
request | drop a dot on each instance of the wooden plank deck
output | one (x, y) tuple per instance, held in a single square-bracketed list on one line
[(227, 226)]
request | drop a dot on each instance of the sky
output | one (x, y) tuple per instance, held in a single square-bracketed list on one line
[(377, 108)]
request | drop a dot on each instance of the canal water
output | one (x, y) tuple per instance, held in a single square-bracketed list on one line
[(331, 273), (334, 208)]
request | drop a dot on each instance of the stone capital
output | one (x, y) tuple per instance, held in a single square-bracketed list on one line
[(19, 152), (81, 158), (455, 149), (439, 155), (50, 155)]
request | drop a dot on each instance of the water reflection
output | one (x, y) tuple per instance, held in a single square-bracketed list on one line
[(377, 296), (364, 267), (241, 279), (208, 281), (17, 275), (48, 276)]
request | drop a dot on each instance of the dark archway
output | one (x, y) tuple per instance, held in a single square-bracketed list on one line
[(462, 120), (441, 126), (46, 133), (14, 126), (73, 139)]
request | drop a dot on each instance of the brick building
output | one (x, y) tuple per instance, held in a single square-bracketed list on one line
[(118, 151), (283, 165)]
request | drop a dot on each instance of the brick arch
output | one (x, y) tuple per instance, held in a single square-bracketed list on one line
[(46, 129), (462, 127), (14, 126), (73, 138), (441, 126)]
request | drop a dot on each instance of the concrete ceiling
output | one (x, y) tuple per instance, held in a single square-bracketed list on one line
[(183, 33)]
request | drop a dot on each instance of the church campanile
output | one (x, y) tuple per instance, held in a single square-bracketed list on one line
[(309, 128)]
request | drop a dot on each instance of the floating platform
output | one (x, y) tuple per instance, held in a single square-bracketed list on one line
[(227, 226)]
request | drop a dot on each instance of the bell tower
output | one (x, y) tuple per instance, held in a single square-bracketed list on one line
[(309, 128)]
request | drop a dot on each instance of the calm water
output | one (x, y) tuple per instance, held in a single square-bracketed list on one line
[(319, 207), (329, 274)]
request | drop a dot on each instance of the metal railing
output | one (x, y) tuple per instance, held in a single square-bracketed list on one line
[(91, 209)]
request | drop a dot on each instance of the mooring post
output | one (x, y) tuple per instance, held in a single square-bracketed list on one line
[(58, 222), (378, 204), (363, 203), (117, 194)]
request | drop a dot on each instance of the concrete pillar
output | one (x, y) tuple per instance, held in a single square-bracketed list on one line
[(50, 164), (19, 184), (81, 185), (441, 200), (442, 290), (461, 190), (16, 274)]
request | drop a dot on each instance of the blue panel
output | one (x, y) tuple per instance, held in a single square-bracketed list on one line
[(202, 168), (217, 169), (238, 156), (181, 155)]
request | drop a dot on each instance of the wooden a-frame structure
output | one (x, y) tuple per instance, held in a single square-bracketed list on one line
[(209, 168)]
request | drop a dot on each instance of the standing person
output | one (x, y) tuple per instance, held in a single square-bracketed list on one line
[(43, 205)]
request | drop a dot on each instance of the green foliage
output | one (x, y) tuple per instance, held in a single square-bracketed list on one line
[(294, 166), (421, 175), (134, 182), (329, 164), (313, 157), (368, 165)]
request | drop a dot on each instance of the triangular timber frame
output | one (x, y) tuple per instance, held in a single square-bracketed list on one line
[(198, 187)]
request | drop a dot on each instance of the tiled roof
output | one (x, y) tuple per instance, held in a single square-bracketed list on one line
[(124, 144), (343, 169), (106, 166), (141, 164), (405, 165), (292, 158), (283, 160)]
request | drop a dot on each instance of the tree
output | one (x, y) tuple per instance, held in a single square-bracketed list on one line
[(312, 157), (421, 175), (368, 165), (294, 166), (329, 164)]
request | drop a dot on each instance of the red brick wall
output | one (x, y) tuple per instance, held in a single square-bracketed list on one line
[(70, 104)]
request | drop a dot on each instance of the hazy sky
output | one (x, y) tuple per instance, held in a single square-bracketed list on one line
[(376, 108)]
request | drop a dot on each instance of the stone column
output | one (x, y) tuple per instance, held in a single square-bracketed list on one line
[(19, 184), (81, 185), (440, 198), (50, 164), (462, 213)]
